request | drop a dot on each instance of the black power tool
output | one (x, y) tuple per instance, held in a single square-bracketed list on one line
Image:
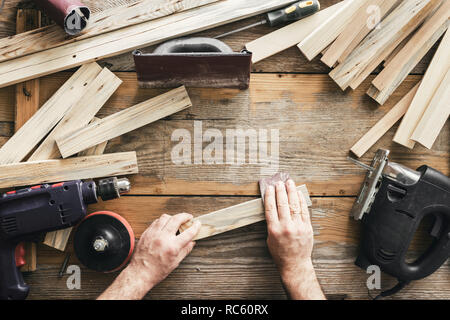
[(392, 203), (27, 213)]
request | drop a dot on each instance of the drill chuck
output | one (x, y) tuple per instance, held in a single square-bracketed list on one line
[(112, 188)]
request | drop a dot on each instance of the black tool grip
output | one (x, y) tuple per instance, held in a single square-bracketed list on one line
[(294, 12), (12, 286)]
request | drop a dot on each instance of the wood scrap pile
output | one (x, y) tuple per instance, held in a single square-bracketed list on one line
[(355, 37)]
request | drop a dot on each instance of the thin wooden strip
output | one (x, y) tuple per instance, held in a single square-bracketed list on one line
[(435, 116), (129, 38), (329, 30), (59, 239), (357, 29), (433, 77), (289, 35), (401, 65), (46, 171), (40, 124), (125, 121), (234, 217), (394, 28), (384, 124), (82, 112), (105, 21)]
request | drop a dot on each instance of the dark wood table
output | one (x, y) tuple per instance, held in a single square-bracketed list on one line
[(317, 124)]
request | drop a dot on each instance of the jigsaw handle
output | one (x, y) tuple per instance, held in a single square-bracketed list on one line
[(12, 286)]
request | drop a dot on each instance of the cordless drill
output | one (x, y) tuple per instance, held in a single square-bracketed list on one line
[(28, 213)]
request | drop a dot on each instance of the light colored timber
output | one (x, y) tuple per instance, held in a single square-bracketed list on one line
[(43, 121), (435, 116), (381, 42), (329, 30), (356, 30), (104, 21), (47, 171), (401, 65), (384, 124), (234, 217), (289, 35), (133, 37), (124, 121), (27, 103), (59, 239), (430, 82), (81, 113)]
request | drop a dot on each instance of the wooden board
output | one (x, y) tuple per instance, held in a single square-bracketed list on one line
[(381, 42), (40, 124), (234, 217), (435, 116), (59, 239), (124, 121), (81, 113), (322, 36), (355, 31), (433, 77), (384, 124), (413, 51), (288, 36), (127, 39), (101, 22), (46, 171)]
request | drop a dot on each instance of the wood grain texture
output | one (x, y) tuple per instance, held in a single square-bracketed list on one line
[(433, 77), (288, 36), (413, 51), (46, 171), (355, 31), (80, 114), (40, 124), (381, 42), (234, 217), (329, 30), (59, 239), (124, 121), (435, 116), (384, 124), (101, 22), (133, 37)]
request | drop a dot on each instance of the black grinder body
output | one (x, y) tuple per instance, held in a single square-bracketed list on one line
[(393, 219)]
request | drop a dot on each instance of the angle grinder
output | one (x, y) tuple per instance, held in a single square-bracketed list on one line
[(104, 241)]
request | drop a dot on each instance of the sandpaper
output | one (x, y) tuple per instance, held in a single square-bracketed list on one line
[(273, 180)]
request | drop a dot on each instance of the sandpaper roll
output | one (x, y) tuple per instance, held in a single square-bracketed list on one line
[(71, 15)]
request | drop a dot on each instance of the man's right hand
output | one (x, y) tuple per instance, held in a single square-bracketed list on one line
[(290, 240)]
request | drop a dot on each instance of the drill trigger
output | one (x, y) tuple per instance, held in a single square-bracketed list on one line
[(20, 255)]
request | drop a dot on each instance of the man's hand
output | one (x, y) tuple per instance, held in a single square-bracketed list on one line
[(290, 240), (158, 253)]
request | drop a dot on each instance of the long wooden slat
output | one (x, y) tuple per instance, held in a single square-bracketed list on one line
[(46, 171), (416, 48), (105, 21), (394, 28), (329, 30), (384, 124), (82, 112), (127, 39), (233, 217), (124, 121), (40, 124), (59, 239), (355, 31), (290, 35), (435, 115), (433, 77)]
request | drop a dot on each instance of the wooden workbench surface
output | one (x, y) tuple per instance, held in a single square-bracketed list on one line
[(317, 125)]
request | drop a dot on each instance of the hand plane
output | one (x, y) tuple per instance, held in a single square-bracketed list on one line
[(392, 203)]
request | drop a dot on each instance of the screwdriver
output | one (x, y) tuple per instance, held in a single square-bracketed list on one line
[(294, 12)]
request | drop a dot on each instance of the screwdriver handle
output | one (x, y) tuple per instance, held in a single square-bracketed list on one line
[(294, 12)]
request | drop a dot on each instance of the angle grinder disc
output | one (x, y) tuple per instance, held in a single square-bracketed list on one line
[(104, 241)]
